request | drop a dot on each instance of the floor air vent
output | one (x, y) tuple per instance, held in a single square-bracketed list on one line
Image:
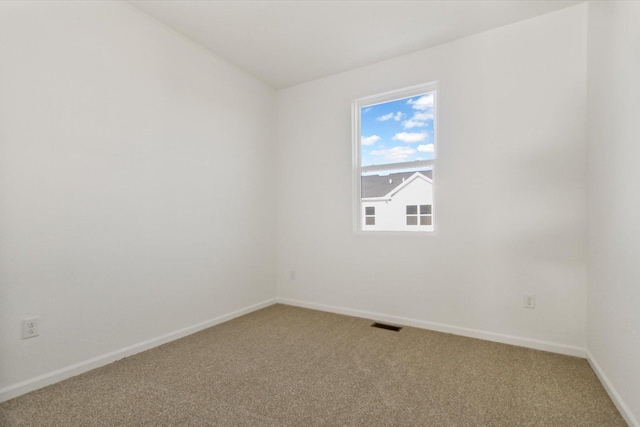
[(385, 326)]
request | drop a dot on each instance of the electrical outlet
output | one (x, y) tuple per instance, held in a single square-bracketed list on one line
[(30, 327), (529, 301)]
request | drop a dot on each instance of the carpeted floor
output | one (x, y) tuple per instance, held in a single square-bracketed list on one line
[(288, 366)]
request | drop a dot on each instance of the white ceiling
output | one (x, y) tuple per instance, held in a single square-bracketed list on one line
[(284, 43)]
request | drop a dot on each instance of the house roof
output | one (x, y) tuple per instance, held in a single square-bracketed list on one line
[(381, 185)]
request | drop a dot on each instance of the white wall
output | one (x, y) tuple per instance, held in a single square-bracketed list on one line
[(136, 184), (510, 187), (614, 197)]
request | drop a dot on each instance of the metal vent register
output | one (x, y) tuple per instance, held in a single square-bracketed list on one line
[(386, 326)]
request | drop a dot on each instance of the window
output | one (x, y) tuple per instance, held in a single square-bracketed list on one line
[(425, 215), (370, 215), (412, 215), (424, 218), (394, 155)]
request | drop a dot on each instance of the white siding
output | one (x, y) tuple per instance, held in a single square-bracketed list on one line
[(391, 213)]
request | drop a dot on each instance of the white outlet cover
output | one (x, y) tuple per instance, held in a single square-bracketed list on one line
[(30, 327), (530, 301)]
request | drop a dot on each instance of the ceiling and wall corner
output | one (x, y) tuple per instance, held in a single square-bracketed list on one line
[(285, 43)]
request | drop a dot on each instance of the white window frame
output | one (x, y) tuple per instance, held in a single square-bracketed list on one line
[(358, 169)]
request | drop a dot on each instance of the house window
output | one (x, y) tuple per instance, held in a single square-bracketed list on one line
[(425, 215), (370, 215), (394, 155), (419, 215)]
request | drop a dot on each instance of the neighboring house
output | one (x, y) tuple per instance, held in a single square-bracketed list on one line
[(397, 202)]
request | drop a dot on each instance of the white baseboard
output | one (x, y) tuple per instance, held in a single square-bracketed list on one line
[(32, 384), (440, 327), (613, 394)]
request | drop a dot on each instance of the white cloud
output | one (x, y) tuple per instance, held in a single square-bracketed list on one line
[(395, 116), (423, 116), (395, 154), (385, 117), (369, 140), (419, 119), (411, 123), (366, 110), (428, 148), (410, 137), (423, 103)]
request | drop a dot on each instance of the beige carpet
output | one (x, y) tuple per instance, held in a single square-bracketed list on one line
[(288, 366)]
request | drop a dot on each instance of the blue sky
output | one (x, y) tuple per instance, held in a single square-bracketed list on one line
[(397, 131)]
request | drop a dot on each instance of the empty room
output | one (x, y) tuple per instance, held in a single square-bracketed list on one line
[(319, 213)]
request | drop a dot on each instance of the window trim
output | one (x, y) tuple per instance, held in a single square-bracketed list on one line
[(357, 169)]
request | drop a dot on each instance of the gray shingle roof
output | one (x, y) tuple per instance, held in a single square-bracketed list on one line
[(381, 185)]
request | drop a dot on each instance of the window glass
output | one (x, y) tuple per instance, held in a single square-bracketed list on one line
[(394, 157)]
